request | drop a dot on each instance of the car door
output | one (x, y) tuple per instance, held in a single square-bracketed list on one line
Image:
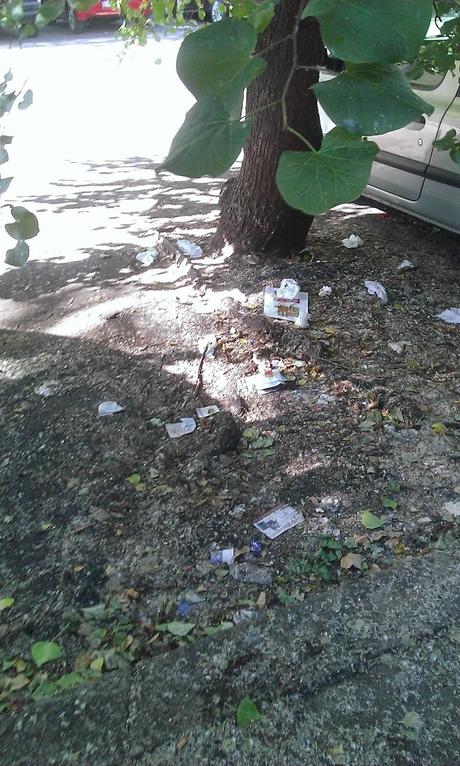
[(405, 155)]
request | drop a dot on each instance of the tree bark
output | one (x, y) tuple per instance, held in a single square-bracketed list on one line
[(254, 218)]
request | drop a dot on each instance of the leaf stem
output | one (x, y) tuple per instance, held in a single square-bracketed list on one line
[(272, 45), (300, 137), (261, 109)]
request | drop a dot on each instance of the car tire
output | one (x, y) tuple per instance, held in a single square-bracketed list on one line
[(75, 25)]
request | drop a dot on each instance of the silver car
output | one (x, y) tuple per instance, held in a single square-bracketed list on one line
[(408, 172)]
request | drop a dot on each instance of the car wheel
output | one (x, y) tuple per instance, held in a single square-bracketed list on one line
[(75, 25)]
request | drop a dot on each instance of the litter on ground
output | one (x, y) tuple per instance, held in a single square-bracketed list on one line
[(47, 388), (262, 383), (182, 428), (451, 316), (287, 302), (376, 288), (279, 520), (189, 249), (147, 257), (205, 412), (207, 346), (406, 265), (109, 408), (224, 556), (354, 240), (326, 290)]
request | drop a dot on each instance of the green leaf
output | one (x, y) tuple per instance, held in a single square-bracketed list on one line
[(157, 422), (134, 479), (412, 720), (369, 99), (387, 502), (6, 602), (45, 689), (316, 181), (69, 680), (27, 100), (216, 61), (25, 226), (445, 142), (370, 521), (179, 629), (372, 31), (18, 255), (261, 18), (4, 140), (247, 713), (49, 11), (45, 651), (8, 76), (3, 155), (208, 142), (251, 433), (4, 184), (97, 664), (6, 102)]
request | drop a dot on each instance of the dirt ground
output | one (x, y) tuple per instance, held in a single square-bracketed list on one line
[(108, 524)]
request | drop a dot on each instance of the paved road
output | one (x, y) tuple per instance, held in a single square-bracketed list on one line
[(101, 113)]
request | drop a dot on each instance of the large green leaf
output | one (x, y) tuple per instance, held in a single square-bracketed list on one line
[(369, 99), (316, 181), (366, 31), (49, 11), (25, 226), (208, 142), (216, 61)]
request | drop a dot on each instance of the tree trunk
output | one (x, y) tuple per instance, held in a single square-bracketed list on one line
[(254, 218)]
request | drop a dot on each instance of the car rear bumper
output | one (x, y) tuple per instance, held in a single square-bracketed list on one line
[(99, 10)]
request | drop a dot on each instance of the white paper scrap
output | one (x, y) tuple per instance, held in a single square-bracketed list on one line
[(183, 427), (354, 240), (205, 412), (109, 408), (262, 384), (376, 288), (147, 257), (279, 520), (451, 316)]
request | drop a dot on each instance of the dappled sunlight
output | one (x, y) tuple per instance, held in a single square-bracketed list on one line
[(303, 464), (356, 210), (80, 322)]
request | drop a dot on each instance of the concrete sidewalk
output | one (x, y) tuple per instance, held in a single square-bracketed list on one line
[(334, 678)]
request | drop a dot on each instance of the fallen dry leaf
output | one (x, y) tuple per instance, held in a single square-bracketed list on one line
[(262, 600), (351, 560), (180, 744), (19, 682)]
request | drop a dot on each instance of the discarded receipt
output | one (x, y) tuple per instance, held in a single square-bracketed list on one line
[(182, 428), (287, 302), (279, 520), (261, 383)]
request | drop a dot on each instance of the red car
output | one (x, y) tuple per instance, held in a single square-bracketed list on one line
[(77, 20)]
